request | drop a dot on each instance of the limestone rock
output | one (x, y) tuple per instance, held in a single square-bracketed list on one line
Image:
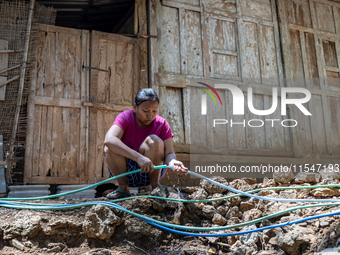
[(325, 192), (62, 227), (100, 222), (24, 224), (329, 173), (283, 176), (235, 201), (296, 238), (200, 194), (219, 219), (241, 185), (245, 206), (267, 183), (213, 188), (233, 212), (221, 209), (208, 211), (307, 177), (218, 202), (158, 192), (252, 214)]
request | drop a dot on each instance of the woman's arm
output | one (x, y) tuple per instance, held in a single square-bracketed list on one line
[(114, 143), (170, 157)]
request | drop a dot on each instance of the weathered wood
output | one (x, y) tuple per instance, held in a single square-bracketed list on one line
[(9, 81), (143, 45), (3, 68), (58, 102), (58, 131), (9, 69), (10, 51), (170, 80), (3, 163), (257, 9)]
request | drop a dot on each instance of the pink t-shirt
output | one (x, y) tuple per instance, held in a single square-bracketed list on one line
[(134, 135)]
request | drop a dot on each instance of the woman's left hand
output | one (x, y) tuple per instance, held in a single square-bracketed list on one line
[(177, 166)]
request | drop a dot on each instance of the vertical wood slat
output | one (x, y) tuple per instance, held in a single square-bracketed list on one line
[(3, 66), (322, 79)]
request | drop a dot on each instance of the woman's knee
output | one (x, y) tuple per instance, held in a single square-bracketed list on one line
[(154, 142)]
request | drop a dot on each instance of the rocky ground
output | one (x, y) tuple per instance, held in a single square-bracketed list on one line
[(102, 230)]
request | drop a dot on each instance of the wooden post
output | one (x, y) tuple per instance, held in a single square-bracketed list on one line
[(21, 89)]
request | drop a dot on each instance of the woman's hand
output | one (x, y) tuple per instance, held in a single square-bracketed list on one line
[(178, 166), (145, 164)]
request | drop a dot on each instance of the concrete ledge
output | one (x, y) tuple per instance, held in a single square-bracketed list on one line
[(89, 193), (24, 191)]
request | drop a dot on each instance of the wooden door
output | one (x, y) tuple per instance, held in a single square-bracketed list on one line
[(112, 91), (57, 122)]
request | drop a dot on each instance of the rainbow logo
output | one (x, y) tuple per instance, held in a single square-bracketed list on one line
[(204, 97)]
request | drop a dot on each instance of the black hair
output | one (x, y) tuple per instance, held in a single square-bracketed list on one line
[(146, 94)]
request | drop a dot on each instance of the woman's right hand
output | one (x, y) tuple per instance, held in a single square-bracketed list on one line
[(145, 164)]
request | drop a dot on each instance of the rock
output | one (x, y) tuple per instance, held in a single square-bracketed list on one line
[(329, 173), (252, 214), (64, 228), (233, 221), (188, 189), (267, 183), (140, 205), (99, 252), (235, 201), (287, 194), (221, 209), (307, 177), (142, 233), (208, 211), (200, 194), (18, 245), (245, 206), (218, 202), (285, 175), (158, 192), (233, 212), (325, 192), (250, 181), (24, 224), (241, 185), (213, 188), (250, 237), (294, 241), (54, 249), (219, 219), (158, 205), (100, 222), (303, 193), (324, 224)]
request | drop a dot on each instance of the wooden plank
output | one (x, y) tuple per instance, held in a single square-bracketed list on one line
[(99, 145), (65, 143), (179, 5), (74, 137), (194, 44), (269, 65), (48, 62), (103, 77), (186, 115), (3, 163), (44, 155), (58, 102), (223, 5), (143, 46), (170, 80), (298, 12), (198, 123), (330, 53), (256, 9), (52, 180), (312, 64), (325, 18), (4, 83), (37, 140), (252, 52), (183, 40), (169, 53), (111, 63), (174, 115), (57, 131), (61, 62), (3, 66), (334, 124), (154, 22), (84, 117), (4, 71)]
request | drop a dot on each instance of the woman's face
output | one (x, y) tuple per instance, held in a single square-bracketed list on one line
[(146, 112)]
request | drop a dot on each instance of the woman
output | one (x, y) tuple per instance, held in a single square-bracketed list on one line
[(139, 138)]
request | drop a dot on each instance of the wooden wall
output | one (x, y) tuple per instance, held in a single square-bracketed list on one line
[(238, 42)]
